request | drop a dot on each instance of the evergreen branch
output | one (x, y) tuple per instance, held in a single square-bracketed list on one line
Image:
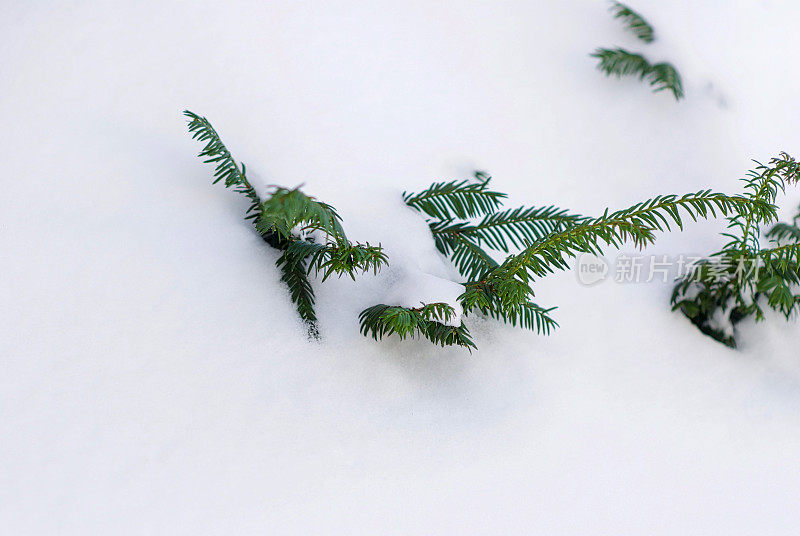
[(293, 269), (467, 256), (633, 21), (284, 220), (619, 62), (284, 210), (665, 210), (766, 181), (548, 236), (762, 186), (292, 210), (294, 274), (710, 302), (549, 254), (528, 315), (782, 270), (731, 285), (636, 224), (498, 288), (339, 258), (784, 231), (518, 227), (226, 168), (783, 260), (427, 321), (780, 296), (461, 241), (489, 301), (455, 199), (663, 76)]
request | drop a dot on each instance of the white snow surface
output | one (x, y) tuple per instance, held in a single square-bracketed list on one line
[(154, 378), (415, 288)]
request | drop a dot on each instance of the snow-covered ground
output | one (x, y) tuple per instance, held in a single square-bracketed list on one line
[(154, 378)]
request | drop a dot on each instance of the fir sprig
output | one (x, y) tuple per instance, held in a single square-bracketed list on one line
[(732, 284), (466, 243), (493, 302), (546, 238), (782, 232), (428, 320), (291, 211), (455, 199), (469, 258), (294, 272), (225, 167), (620, 62), (334, 258), (511, 228), (762, 185), (637, 224), (289, 220), (664, 77), (633, 21)]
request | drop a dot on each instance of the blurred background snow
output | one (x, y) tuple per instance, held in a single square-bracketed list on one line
[(154, 378)]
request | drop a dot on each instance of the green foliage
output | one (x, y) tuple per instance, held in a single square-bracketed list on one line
[(783, 232), (294, 272), (342, 258), (500, 253), (456, 199), (735, 282), (466, 243), (225, 167), (493, 301), (633, 21), (288, 211), (543, 240), (663, 76), (636, 224), (509, 228), (619, 62), (427, 321), (508, 285), (308, 232)]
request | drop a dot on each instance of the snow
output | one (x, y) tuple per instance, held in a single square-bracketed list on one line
[(415, 288), (155, 379)]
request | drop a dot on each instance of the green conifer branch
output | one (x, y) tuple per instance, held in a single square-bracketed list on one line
[(633, 21), (728, 287), (516, 227), (455, 199), (292, 211), (225, 167), (427, 321), (620, 62), (289, 220), (468, 257), (547, 237), (664, 77), (762, 186), (294, 272), (781, 232), (489, 301), (340, 259), (636, 224)]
